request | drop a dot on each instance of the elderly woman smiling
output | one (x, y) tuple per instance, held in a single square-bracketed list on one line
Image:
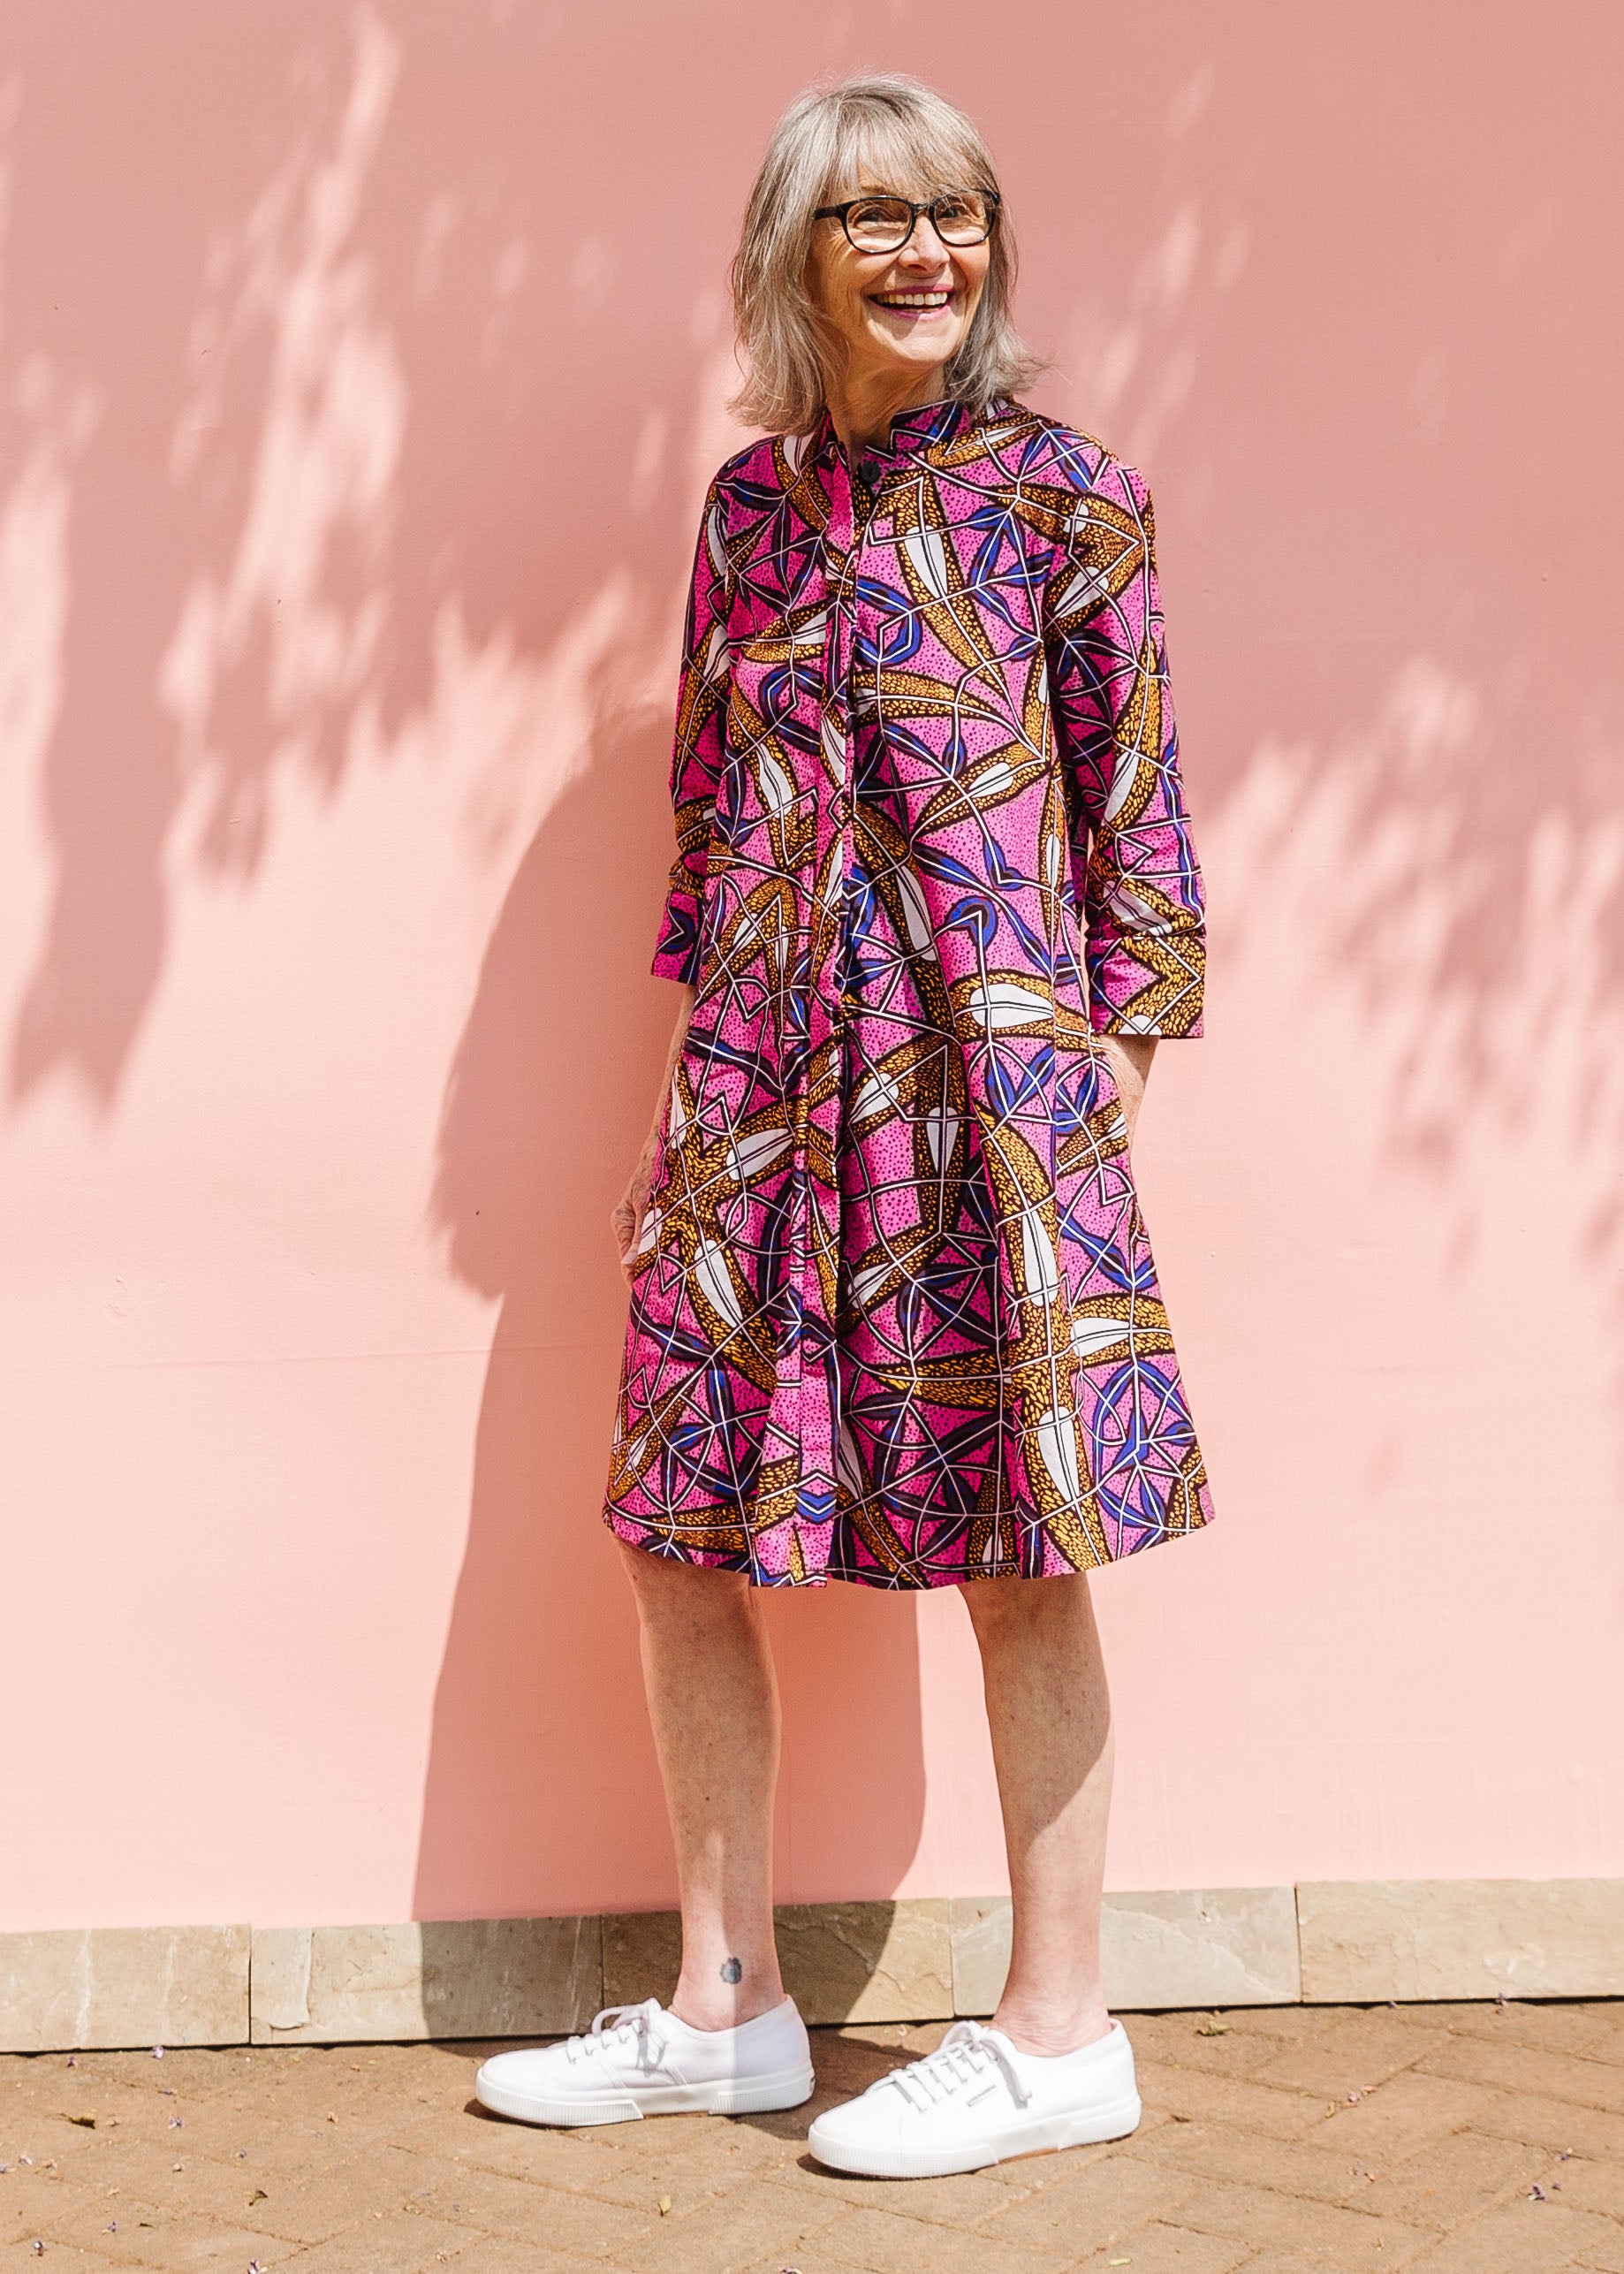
[(894, 1319)]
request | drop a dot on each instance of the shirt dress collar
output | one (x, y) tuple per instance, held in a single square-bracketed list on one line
[(913, 432)]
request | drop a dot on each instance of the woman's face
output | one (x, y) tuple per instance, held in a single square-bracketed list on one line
[(898, 314)]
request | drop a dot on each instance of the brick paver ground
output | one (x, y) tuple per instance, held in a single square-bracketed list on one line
[(1449, 2140)]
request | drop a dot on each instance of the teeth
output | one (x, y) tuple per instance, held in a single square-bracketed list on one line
[(913, 300)]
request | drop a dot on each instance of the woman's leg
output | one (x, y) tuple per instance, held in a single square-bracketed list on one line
[(1049, 1712), (713, 1702)]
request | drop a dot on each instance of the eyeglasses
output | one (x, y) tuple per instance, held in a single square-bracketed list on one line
[(883, 224)]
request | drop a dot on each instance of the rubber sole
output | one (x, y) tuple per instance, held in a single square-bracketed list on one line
[(726, 2096), (1086, 2129)]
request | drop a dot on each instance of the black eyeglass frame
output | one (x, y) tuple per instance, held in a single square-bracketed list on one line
[(842, 213)]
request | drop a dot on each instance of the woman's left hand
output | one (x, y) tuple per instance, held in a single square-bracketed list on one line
[(1130, 1056)]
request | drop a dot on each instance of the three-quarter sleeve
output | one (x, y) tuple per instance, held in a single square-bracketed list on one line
[(698, 744), (1143, 908)]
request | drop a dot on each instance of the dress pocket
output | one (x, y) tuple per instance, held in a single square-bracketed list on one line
[(1108, 1096), (659, 1169), (1084, 1072)]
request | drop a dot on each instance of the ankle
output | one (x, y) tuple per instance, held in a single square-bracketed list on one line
[(1048, 2027), (704, 2006)]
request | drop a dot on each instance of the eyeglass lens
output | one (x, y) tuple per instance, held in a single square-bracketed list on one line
[(883, 224)]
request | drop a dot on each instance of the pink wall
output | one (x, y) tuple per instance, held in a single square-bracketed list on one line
[(362, 370)]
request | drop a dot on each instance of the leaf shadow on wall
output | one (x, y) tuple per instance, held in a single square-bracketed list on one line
[(1408, 693), (346, 449)]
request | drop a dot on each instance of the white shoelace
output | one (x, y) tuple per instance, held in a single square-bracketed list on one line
[(617, 2023), (965, 2053)]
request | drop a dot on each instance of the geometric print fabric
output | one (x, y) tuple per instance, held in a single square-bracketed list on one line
[(894, 1316)]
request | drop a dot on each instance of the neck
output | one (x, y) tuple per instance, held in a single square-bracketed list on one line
[(862, 404)]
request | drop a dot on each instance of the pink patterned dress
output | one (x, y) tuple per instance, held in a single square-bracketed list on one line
[(894, 1316)]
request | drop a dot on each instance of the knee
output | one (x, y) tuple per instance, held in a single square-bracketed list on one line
[(1003, 1607), (993, 1604), (668, 1592)]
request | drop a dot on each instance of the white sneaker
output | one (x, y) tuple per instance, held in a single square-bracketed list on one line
[(639, 2060), (978, 2100)]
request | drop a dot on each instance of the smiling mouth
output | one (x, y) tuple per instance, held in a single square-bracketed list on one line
[(912, 303)]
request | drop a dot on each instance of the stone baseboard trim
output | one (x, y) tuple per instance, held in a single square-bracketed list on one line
[(915, 1959), (462, 1978), (1421, 1939), (110, 1986)]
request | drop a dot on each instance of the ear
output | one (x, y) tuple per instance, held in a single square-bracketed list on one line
[(812, 275)]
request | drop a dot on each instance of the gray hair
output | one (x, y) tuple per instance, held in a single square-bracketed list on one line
[(886, 128)]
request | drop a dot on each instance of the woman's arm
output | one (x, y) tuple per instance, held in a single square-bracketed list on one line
[(627, 1216), (700, 743), (698, 747), (1142, 902)]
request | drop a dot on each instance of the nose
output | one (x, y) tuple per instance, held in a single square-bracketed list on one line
[(922, 248)]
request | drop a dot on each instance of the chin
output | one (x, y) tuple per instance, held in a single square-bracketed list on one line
[(918, 347)]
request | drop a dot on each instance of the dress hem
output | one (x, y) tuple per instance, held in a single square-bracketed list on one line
[(649, 1540)]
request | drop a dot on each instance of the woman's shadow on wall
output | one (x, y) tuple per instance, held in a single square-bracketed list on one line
[(543, 1794)]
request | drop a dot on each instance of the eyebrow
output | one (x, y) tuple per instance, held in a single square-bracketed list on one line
[(884, 189)]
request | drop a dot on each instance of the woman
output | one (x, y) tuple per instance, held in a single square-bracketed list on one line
[(894, 1319)]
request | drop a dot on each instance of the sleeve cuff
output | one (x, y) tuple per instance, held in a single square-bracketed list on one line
[(1159, 992), (676, 954), (1104, 1020)]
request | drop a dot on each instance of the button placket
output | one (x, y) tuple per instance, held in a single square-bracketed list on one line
[(843, 619), (871, 475), (842, 609), (814, 1387)]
